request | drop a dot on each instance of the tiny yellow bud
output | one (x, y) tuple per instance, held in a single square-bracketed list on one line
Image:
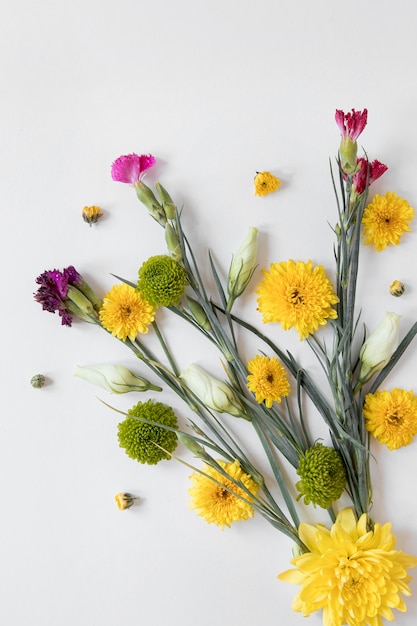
[(397, 288), (124, 500), (265, 183), (91, 214)]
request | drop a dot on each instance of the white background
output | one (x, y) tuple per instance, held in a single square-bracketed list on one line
[(216, 90)]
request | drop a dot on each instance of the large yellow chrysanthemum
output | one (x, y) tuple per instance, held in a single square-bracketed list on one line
[(125, 313), (267, 380), (216, 504), (385, 220), (391, 416), (296, 294), (354, 574)]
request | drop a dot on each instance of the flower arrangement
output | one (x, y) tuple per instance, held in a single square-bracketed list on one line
[(349, 569)]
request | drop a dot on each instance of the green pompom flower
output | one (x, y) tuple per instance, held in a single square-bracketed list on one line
[(162, 280), (323, 476), (139, 438)]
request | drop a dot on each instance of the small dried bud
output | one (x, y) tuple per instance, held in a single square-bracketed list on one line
[(91, 214), (37, 381), (124, 500), (397, 288)]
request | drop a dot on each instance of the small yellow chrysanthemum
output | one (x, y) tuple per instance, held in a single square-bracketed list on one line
[(354, 574), (125, 313), (298, 295), (267, 380), (216, 504), (385, 219), (391, 417), (266, 183)]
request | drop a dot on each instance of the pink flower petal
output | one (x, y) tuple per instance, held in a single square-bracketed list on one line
[(129, 167)]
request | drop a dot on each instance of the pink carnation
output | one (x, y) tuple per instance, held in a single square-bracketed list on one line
[(351, 124), (376, 169), (130, 167)]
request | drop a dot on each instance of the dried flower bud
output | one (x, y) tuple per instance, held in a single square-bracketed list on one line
[(124, 500), (397, 288), (91, 214), (37, 381)]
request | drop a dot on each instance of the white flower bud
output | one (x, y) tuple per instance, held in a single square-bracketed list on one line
[(114, 378), (213, 393), (243, 265), (378, 349)]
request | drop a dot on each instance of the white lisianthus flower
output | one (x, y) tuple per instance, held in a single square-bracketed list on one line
[(378, 349), (213, 393), (243, 265), (114, 378)]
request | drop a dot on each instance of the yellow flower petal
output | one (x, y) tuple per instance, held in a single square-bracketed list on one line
[(355, 575)]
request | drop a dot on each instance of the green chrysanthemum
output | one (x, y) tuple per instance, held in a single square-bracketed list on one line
[(162, 280), (139, 438), (323, 476)]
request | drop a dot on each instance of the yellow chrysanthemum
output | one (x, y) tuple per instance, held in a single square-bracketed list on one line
[(354, 574), (391, 417), (296, 294), (385, 219), (125, 313), (216, 504), (267, 380), (266, 183)]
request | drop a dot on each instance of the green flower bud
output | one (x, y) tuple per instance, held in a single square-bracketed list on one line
[(114, 378), (323, 476), (191, 444), (78, 304), (198, 313), (378, 349), (213, 393), (162, 281), (90, 294), (242, 266), (348, 151), (147, 197), (173, 243), (139, 438), (167, 202)]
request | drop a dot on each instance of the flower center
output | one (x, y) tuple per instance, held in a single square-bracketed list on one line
[(270, 378), (223, 494), (125, 311), (296, 297), (394, 419)]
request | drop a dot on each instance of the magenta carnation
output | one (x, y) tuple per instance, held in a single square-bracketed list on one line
[(366, 169), (130, 167), (351, 124), (53, 291)]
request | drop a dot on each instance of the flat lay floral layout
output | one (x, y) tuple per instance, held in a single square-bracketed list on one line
[(350, 568)]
